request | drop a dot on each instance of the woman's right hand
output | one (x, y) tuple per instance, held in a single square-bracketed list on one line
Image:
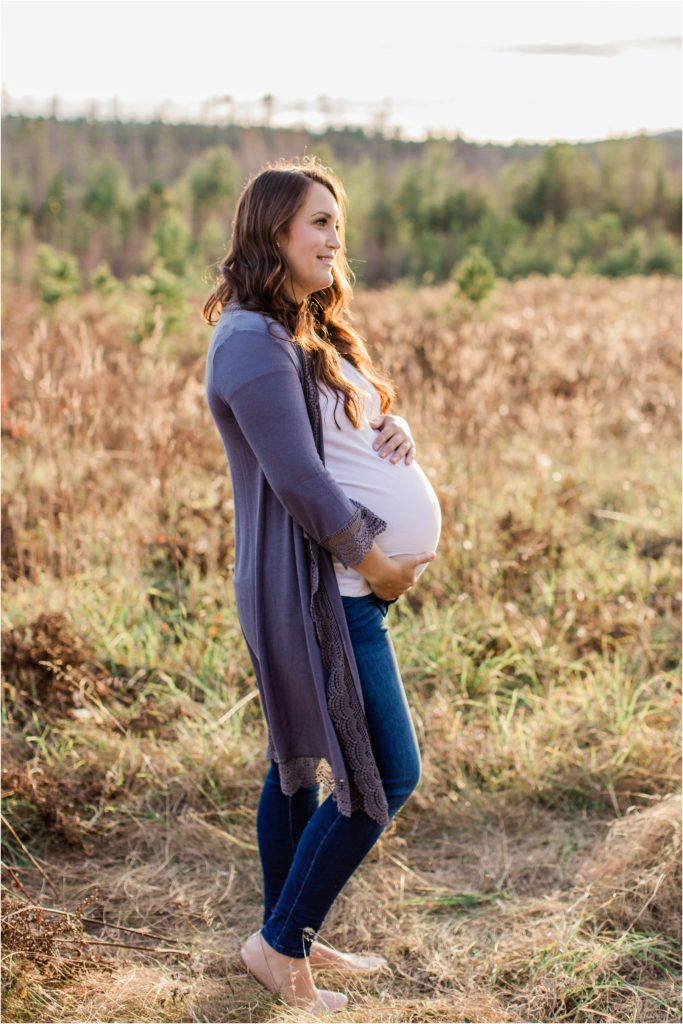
[(402, 577)]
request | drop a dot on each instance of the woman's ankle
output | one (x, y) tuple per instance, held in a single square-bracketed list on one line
[(276, 952)]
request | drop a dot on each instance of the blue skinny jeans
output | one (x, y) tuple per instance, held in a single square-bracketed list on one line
[(309, 849)]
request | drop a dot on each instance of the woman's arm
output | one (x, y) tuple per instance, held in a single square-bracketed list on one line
[(376, 566), (257, 378)]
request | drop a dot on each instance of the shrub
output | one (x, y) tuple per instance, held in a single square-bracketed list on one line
[(170, 243), (474, 275), (625, 258), (102, 280), (166, 301), (57, 275), (664, 256)]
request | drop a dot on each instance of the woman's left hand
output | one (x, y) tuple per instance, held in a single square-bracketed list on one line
[(394, 438)]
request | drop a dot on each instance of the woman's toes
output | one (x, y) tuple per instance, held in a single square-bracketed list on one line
[(332, 1000), (369, 963), (321, 956)]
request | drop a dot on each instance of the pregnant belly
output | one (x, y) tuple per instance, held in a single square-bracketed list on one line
[(403, 496)]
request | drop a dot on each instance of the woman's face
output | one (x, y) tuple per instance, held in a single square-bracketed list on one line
[(312, 235)]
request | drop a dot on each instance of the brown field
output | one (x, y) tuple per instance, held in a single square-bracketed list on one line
[(535, 873)]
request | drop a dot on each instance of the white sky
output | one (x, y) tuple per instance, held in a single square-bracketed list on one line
[(453, 66)]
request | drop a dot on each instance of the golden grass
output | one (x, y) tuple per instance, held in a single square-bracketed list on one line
[(635, 876), (535, 873)]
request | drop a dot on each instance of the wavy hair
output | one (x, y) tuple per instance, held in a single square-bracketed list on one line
[(254, 274)]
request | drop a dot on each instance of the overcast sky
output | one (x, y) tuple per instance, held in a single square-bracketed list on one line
[(499, 71)]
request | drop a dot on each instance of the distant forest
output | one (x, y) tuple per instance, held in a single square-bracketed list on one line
[(126, 198)]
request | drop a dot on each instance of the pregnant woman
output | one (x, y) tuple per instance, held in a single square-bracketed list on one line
[(334, 520)]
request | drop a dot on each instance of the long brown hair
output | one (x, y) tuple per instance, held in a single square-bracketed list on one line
[(254, 272)]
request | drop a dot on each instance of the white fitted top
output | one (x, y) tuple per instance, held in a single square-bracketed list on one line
[(402, 495)]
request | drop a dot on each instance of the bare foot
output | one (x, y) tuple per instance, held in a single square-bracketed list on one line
[(288, 977), (325, 956)]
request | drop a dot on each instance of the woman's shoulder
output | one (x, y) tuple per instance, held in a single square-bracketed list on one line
[(237, 327), (236, 318), (246, 344)]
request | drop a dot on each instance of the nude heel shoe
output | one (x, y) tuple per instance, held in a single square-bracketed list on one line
[(324, 956), (254, 956)]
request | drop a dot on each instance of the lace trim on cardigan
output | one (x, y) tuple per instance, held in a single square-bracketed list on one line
[(301, 771), (363, 788), (351, 544)]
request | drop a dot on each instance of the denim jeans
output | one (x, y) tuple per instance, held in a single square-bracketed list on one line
[(308, 849)]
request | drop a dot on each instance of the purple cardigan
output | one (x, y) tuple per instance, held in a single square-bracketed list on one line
[(291, 516)]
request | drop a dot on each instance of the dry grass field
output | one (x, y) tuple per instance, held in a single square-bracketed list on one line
[(535, 873)]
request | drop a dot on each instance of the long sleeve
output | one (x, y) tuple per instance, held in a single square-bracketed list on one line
[(257, 378)]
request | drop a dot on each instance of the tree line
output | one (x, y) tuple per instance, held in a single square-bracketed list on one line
[(126, 198)]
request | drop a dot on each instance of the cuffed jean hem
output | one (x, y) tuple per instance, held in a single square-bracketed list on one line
[(304, 949)]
